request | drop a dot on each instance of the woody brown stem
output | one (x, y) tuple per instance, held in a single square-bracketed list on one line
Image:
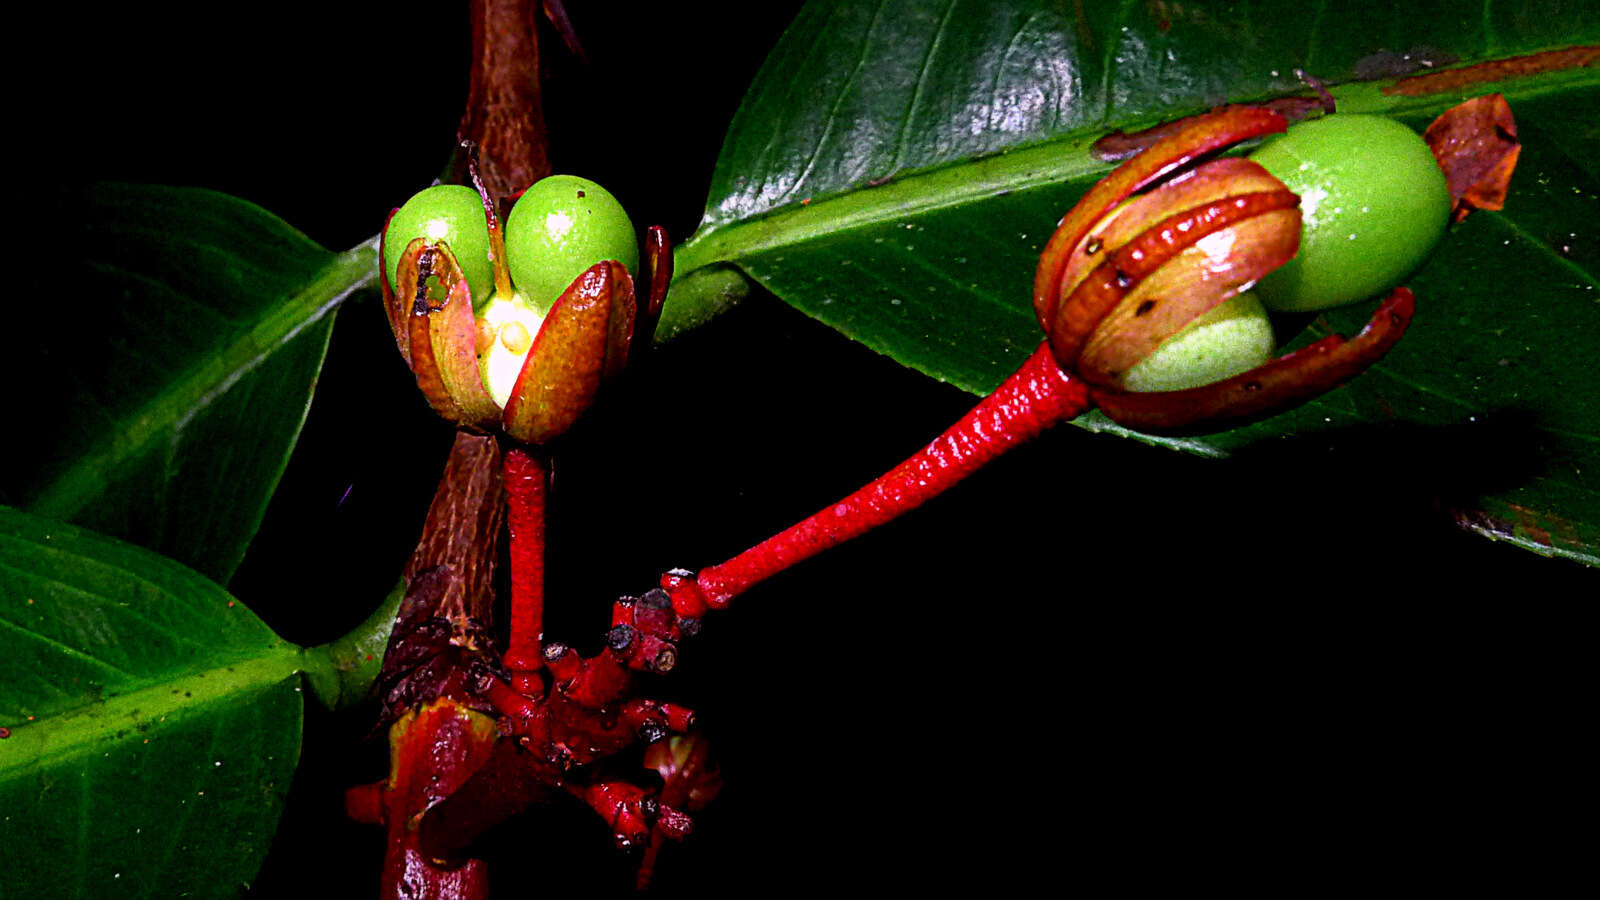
[(439, 737), (504, 115)]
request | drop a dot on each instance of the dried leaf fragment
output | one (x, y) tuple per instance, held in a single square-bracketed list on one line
[(1476, 145)]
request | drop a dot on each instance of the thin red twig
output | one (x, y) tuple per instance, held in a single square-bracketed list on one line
[(1036, 397)]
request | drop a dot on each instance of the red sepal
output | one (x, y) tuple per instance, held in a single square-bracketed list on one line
[(1199, 138), (1264, 390), (584, 338)]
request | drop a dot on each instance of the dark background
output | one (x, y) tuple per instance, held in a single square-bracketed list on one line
[(1095, 661)]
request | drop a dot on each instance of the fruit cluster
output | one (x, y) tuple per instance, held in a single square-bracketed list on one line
[(514, 328), (1373, 204), (558, 228)]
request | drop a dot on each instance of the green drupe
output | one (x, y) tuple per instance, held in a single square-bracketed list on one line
[(1231, 338), (560, 227), (1373, 204), (454, 215)]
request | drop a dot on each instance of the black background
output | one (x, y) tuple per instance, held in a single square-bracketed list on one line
[(1094, 662)]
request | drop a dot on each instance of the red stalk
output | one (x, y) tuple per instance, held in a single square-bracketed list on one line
[(526, 480), (1036, 397)]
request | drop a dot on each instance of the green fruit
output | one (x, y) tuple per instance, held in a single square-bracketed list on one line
[(1233, 337), (559, 228), (1373, 202), (452, 214)]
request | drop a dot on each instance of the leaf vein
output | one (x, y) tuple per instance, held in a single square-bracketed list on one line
[(833, 109), (73, 489), (66, 649), (922, 82)]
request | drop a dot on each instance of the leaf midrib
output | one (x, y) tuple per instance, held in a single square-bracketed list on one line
[(136, 714), (171, 407), (907, 195), (1022, 168)]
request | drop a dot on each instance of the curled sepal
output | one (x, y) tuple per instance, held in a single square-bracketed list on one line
[(1284, 382), (584, 339), (442, 334), (658, 256), (655, 273), (1168, 257), (418, 344), (1201, 137)]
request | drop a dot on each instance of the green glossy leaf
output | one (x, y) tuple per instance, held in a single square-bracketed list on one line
[(898, 164), (154, 723), (178, 335)]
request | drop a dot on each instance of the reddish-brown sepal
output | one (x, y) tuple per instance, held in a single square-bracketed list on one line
[(584, 339), (1203, 136), (1166, 258), (1280, 384)]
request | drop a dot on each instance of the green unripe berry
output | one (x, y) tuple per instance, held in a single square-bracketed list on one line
[(1373, 203), (1233, 337), (453, 214), (559, 228)]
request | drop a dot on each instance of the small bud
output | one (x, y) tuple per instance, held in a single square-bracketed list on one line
[(619, 637), (665, 661)]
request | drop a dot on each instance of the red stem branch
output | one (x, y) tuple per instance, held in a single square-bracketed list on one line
[(526, 480), (1036, 397)]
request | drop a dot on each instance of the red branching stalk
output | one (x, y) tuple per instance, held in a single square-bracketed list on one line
[(526, 480), (467, 749), (477, 737), (1036, 397), (1082, 291)]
